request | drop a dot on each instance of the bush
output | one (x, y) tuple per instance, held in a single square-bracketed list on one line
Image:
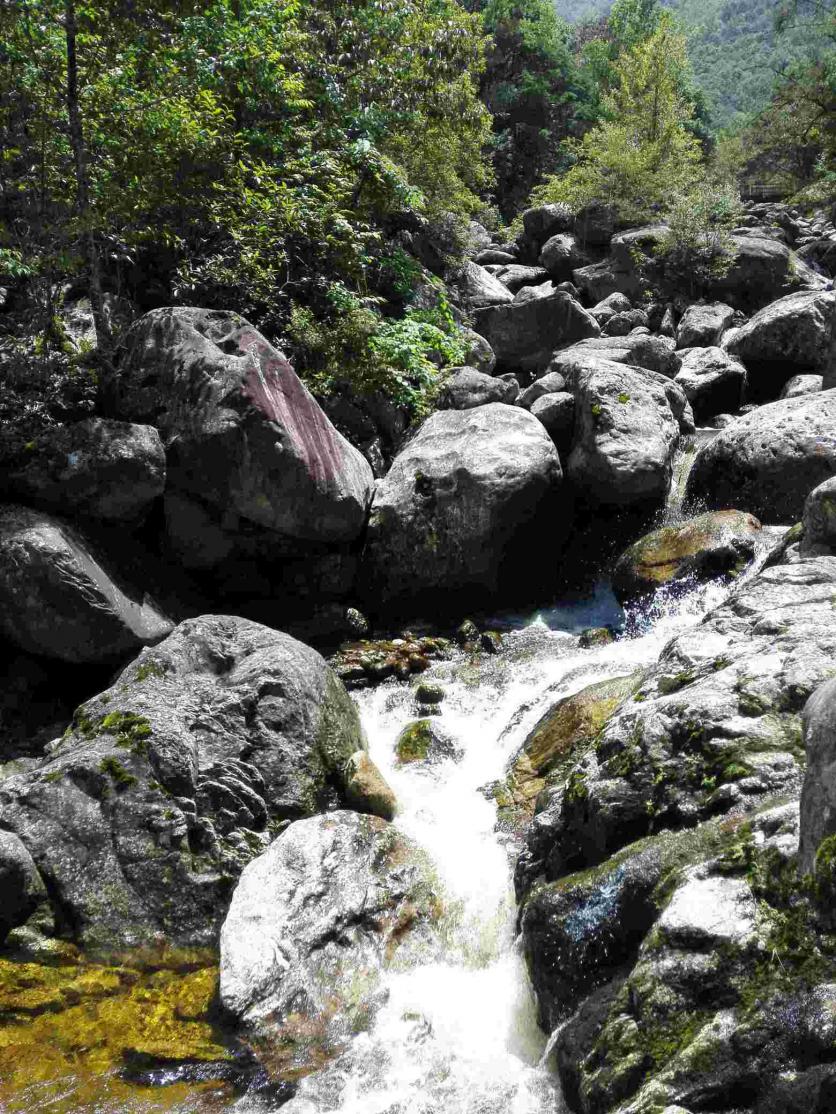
[(699, 249)]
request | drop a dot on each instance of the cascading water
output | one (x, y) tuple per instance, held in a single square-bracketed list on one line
[(458, 1034)]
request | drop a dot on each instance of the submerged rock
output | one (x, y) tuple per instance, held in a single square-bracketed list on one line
[(313, 923), (170, 781), (60, 599), (458, 514), (720, 543), (425, 740)]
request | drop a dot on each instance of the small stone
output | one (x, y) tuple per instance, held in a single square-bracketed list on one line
[(467, 632), (366, 789), (427, 693), (596, 636)]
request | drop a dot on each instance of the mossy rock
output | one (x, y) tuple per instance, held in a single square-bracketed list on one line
[(556, 743), (720, 543), (424, 740)]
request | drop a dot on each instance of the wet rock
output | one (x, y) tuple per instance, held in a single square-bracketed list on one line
[(466, 632), (167, 783), (713, 382), (366, 789), (490, 641), (459, 507), (802, 385), (702, 326), (467, 388), (361, 664), (653, 353), (789, 336), (427, 693), (770, 460), (95, 468), (60, 599), (313, 923), (625, 435), (243, 435), (720, 543), (563, 733), (595, 636), (526, 334), (424, 740), (715, 727)]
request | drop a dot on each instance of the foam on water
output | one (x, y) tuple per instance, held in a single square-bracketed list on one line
[(459, 1035)]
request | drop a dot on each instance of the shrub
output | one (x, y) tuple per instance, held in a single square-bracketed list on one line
[(699, 249)]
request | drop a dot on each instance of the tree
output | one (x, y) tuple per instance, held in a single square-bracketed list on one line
[(643, 151)]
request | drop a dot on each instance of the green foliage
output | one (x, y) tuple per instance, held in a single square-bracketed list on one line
[(642, 152), (699, 248)]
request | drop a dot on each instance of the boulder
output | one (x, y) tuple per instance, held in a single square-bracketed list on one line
[(702, 326), (479, 354), (720, 543), (557, 414), (638, 350), (468, 387), (598, 281), (769, 461), (560, 255), (550, 383), (819, 519), (165, 785), (526, 334), (313, 924), (764, 269), (595, 223), (713, 382), (609, 307), (21, 887), (802, 385), (544, 221), (495, 256), (461, 507), (818, 797), (531, 293), (622, 324), (95, 468), (61, 599), (514, 277), (625, 435), (479, 288), (243, 434), (637, 241), (425, 740), (789, 336), (366, 790)]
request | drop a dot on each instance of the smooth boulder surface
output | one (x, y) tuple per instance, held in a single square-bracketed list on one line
[(559, 256), (544, 221), (526, 334), (243, 434), (547, 384), (818, 797), (720, 543), (803, 385), (165, 785), (764, 269), (713, 382), (625, 435), (608, 307), (461, 506), (702, 326), (516, 277), (468, 387), (557, 413), (480, 288), (789, 336), (60, 599), (96, 468), (768, 461), (638, 350), (313, 923)]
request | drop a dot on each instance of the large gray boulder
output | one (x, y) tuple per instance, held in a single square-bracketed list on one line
[(544, 221), (165, 785), (818, 797), (468, 387), (461, 505), (713, 382), (21, 887), (479, 288), (560, 255), (516, 277), (802, 385), (625, 436), (243, 434), (702, 326), (526, 334), (313, 923), (763, 269), (819, 520), (59, 598), (638, 350), (769, 461), (96, 468), (789, 336)]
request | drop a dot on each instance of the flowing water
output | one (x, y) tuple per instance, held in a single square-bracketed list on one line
[(458, 1035)]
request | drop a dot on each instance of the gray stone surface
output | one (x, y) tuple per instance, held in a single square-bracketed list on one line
[(468, 387), (702, 326), (526, 334), (712, 380)]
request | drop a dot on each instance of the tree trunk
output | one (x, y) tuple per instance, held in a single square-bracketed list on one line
[(104, 338)]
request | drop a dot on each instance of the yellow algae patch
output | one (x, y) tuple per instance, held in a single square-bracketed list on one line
[(66, 1032)]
